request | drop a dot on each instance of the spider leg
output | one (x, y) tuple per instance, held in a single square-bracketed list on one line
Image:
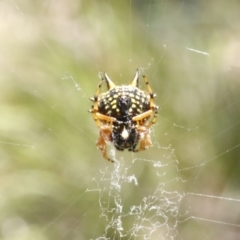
[(145, 140), (102, 121), (143, 115), (146, 115), (142, 126), (154, 119), (152, 95), (105, 118), (99, 118), (105, 132), (94, 109), (153, 107), (105, 135), (135, 83)]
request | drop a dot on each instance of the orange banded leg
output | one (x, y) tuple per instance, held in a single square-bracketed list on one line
[(94, 109), (105, 135), (142, 115), (98, 117), (154, 119), (152, 95), (145, 115), (145, 140), (153, 107)]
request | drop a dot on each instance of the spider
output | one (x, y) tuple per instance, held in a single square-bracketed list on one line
[(124, 115)]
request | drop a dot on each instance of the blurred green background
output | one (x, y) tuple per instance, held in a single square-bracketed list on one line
[(54, 183)]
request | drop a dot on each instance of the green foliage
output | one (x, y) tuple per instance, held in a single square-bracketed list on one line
[(54, 182)]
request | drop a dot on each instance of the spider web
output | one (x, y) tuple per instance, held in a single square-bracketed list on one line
[(55, 183)]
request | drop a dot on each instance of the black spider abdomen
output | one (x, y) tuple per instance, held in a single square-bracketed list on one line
[(123, 103)]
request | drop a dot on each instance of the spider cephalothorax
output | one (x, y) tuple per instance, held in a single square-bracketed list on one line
[(124, 115)]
